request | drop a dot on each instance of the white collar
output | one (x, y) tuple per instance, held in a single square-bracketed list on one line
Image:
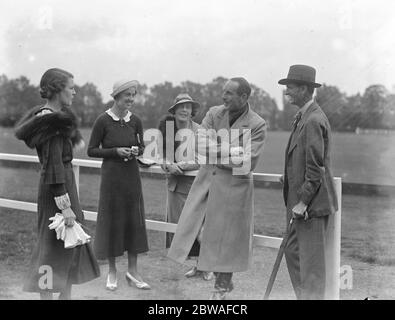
[(306, 106), (114, 117)]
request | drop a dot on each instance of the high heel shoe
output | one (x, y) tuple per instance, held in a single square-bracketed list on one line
[(111, 286), (139, 284)]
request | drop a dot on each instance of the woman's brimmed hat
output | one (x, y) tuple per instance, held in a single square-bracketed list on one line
[(123, 85), (301, 74), (184, 98)]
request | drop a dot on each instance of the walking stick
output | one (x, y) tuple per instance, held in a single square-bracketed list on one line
[(277, 262)]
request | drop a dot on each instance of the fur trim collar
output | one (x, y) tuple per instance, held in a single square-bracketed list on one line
[(42, 123)]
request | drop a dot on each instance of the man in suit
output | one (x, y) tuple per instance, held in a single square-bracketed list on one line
[(222, 195), (308, 187)]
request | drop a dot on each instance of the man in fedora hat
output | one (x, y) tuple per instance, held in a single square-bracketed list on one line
[(308, 187), (221, 197)]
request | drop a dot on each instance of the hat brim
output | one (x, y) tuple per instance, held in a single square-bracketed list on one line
[(288, 81), (195, 106)]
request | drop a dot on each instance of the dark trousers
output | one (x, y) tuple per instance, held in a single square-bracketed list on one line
[(305, 256), (223, 281)]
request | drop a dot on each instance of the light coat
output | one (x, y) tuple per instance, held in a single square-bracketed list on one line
[(222, 201)]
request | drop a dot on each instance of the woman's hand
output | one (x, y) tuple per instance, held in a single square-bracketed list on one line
[(124, 152), (134, 150), (80, 145), (69, 217)]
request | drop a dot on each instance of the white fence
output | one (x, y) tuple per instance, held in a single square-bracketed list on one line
[(333, 233)]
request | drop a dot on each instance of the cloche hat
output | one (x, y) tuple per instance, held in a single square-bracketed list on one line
[(122, 85), (184, 98)]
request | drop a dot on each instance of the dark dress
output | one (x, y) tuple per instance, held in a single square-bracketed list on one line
[(121, 218), (78, 264)]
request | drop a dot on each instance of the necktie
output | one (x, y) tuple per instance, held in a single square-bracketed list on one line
[(297, 118)]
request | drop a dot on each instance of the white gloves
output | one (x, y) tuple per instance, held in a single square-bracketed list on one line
[(72, 236)]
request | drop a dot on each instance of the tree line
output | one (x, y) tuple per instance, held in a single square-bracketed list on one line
[(374, 109)]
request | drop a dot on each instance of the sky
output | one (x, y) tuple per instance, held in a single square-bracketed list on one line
[(349, 42)]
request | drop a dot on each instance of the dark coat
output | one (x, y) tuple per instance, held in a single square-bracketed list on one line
[(53, 135), (307, 173)]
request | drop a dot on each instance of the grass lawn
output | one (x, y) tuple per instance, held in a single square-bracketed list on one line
[(367, 225)]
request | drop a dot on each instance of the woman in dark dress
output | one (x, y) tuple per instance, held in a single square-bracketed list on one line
[(117, 137), (52, 130)]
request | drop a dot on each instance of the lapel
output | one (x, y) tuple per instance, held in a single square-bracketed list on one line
[(221, 121), (194, 126), (242, 123), (292, 142)]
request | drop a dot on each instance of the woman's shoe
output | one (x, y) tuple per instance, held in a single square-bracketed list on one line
[(111, 286), (139, 284)]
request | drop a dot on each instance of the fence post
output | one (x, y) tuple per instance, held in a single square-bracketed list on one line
[(76, 169), (332, 252)]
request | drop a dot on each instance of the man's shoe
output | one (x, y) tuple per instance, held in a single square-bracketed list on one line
[(208, 275), (191, 273)]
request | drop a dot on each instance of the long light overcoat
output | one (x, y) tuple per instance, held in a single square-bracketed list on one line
[(221, 199)]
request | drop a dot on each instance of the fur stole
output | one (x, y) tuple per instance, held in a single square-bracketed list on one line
[(40, 124)]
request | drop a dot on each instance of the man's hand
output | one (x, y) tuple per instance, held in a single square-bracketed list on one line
[(174, 169), (299, 211), (236, 152), (281, 179)]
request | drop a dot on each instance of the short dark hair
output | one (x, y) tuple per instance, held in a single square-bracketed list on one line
[(118, 95), (244, 86), (53, 81)]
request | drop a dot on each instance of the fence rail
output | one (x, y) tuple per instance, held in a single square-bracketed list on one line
[(332, 251)]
